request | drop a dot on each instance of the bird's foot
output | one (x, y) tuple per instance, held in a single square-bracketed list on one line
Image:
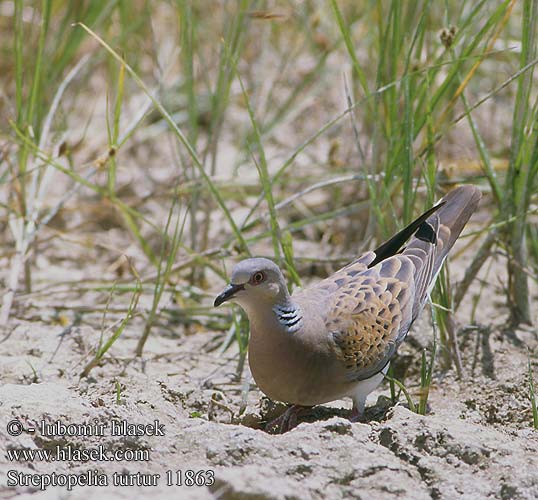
[(357, 415), (287, 421)]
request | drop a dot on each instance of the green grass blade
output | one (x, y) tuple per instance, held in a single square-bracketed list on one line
[(177, 131)]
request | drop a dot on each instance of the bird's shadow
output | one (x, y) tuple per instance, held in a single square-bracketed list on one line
[(376, 413)]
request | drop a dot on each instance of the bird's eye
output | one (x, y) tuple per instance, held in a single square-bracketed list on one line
[(257, 278)]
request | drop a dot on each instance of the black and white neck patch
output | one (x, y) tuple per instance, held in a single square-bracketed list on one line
[(289, 316)]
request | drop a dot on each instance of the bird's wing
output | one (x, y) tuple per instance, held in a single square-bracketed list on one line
[(368, 309), (370, 314), (369, 305)]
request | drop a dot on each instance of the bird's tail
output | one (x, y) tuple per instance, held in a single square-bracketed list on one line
[(435, 236)]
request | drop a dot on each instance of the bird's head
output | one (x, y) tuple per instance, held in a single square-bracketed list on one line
[(254, 281)]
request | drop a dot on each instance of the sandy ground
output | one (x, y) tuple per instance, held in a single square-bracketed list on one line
[(475, 442)]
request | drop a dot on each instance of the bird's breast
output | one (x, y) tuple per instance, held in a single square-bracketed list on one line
[(295, 368)]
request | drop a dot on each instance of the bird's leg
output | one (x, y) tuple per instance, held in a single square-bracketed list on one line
[(357, 412), (287, 421)]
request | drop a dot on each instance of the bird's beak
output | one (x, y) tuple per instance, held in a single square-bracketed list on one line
[(228, 293)]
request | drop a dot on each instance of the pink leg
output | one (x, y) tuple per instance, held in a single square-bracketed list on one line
[(287, 421), (356, 416), (357, 412)]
